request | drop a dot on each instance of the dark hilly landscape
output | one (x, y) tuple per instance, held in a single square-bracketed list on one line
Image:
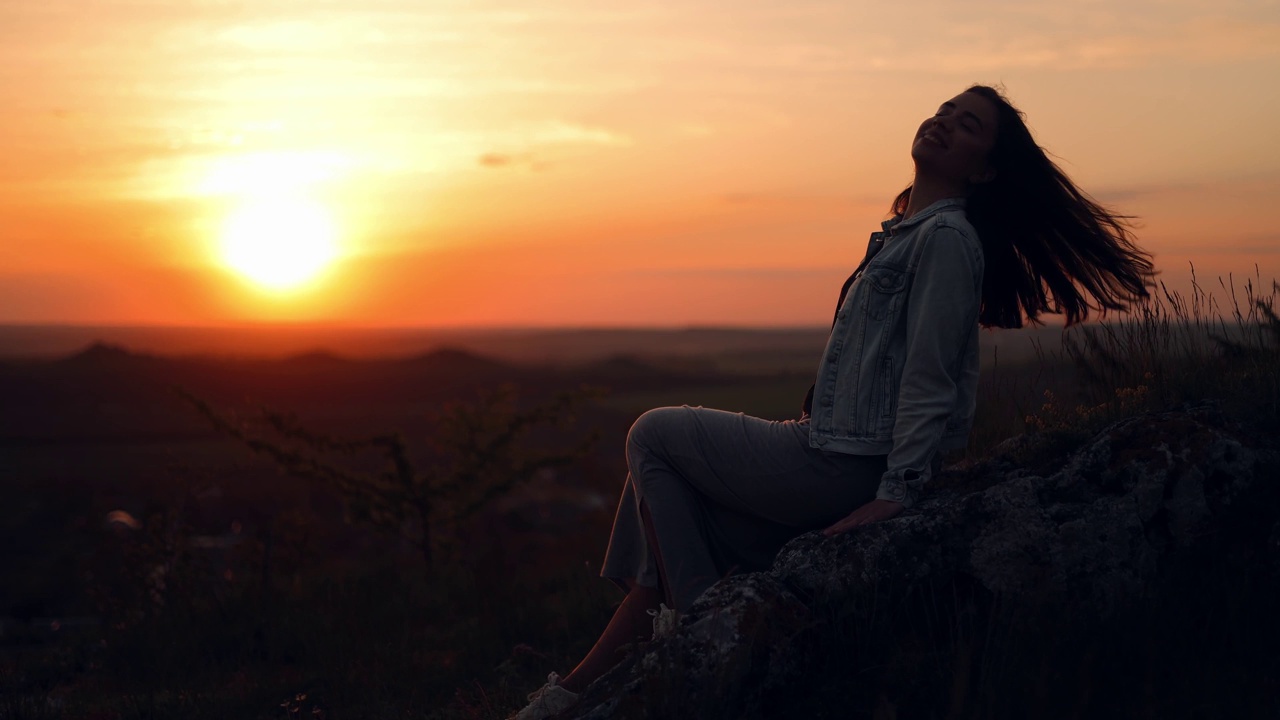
[(320, 523)]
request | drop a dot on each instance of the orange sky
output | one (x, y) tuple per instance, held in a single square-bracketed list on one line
[(585, 163)]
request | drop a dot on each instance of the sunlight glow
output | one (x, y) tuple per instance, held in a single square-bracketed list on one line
[(279, 242), (267, 173)]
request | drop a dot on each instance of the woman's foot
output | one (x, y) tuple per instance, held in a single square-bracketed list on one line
[(665, 621), (547, 701)]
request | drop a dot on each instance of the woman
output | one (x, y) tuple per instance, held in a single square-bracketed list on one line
[(989, 231)]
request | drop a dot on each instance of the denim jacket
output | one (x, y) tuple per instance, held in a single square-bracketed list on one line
[(899, 374)]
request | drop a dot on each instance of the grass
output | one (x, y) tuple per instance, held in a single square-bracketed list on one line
[(314, 619), (1169, 351), (373, 644)]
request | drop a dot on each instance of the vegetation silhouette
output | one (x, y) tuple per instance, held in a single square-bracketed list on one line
[(477, 454)]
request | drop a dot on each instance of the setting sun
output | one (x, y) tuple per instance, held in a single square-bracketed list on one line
[(496, 164), (279, 243)]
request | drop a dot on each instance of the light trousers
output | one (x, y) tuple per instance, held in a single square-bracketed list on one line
[(725, 491)]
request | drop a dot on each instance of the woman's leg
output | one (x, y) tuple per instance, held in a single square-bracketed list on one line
[(630, 623), (652, 537)]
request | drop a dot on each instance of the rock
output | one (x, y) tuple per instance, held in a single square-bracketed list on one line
[(1095, 535)]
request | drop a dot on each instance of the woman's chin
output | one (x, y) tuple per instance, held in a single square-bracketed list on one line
[(927, 160)]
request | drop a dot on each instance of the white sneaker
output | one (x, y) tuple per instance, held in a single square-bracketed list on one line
[(547, 700), (665, 621)]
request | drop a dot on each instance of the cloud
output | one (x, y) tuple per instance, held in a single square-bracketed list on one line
[(767, 272), (1071, 47), (550, 133), (801, 199), (557, 131), (695, 129), (1138, 192), (503, 160), (1258, 246), (496, 160), (1260, 186)]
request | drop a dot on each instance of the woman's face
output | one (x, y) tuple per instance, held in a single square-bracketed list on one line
[(953, 145)]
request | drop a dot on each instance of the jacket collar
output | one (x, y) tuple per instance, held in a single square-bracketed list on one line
[(896, 225)]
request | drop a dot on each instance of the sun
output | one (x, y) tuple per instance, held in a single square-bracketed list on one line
[(279, 243)]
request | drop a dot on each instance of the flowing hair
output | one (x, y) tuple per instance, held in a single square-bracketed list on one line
[(1044, 240)]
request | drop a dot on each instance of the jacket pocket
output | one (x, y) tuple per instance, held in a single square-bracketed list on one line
[(888, 391), (886, 284)]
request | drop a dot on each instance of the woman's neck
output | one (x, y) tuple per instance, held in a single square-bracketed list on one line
[(926, 191)]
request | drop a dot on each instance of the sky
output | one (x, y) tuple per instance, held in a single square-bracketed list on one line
[(581, 163)]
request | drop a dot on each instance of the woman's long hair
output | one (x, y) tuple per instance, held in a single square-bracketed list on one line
[(1043, 239)]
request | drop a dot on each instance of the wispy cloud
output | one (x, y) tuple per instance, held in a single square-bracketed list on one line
[(800, 199), (542, 135), (558, 131), (1184, 44), (528, 161), (741, 272)]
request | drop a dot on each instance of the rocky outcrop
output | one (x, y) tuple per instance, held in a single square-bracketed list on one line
[(1093, 532)]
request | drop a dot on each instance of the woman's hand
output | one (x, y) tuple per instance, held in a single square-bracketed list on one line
[(874, 511)]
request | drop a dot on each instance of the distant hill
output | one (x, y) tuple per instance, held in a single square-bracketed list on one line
[(797, 347), (109, 392)]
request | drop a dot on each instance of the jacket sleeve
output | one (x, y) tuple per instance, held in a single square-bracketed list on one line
[(942, 309)]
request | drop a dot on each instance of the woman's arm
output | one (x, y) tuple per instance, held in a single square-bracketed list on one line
[(941, 313)]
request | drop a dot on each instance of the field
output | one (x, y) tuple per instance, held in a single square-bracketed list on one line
[(157, 566)]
